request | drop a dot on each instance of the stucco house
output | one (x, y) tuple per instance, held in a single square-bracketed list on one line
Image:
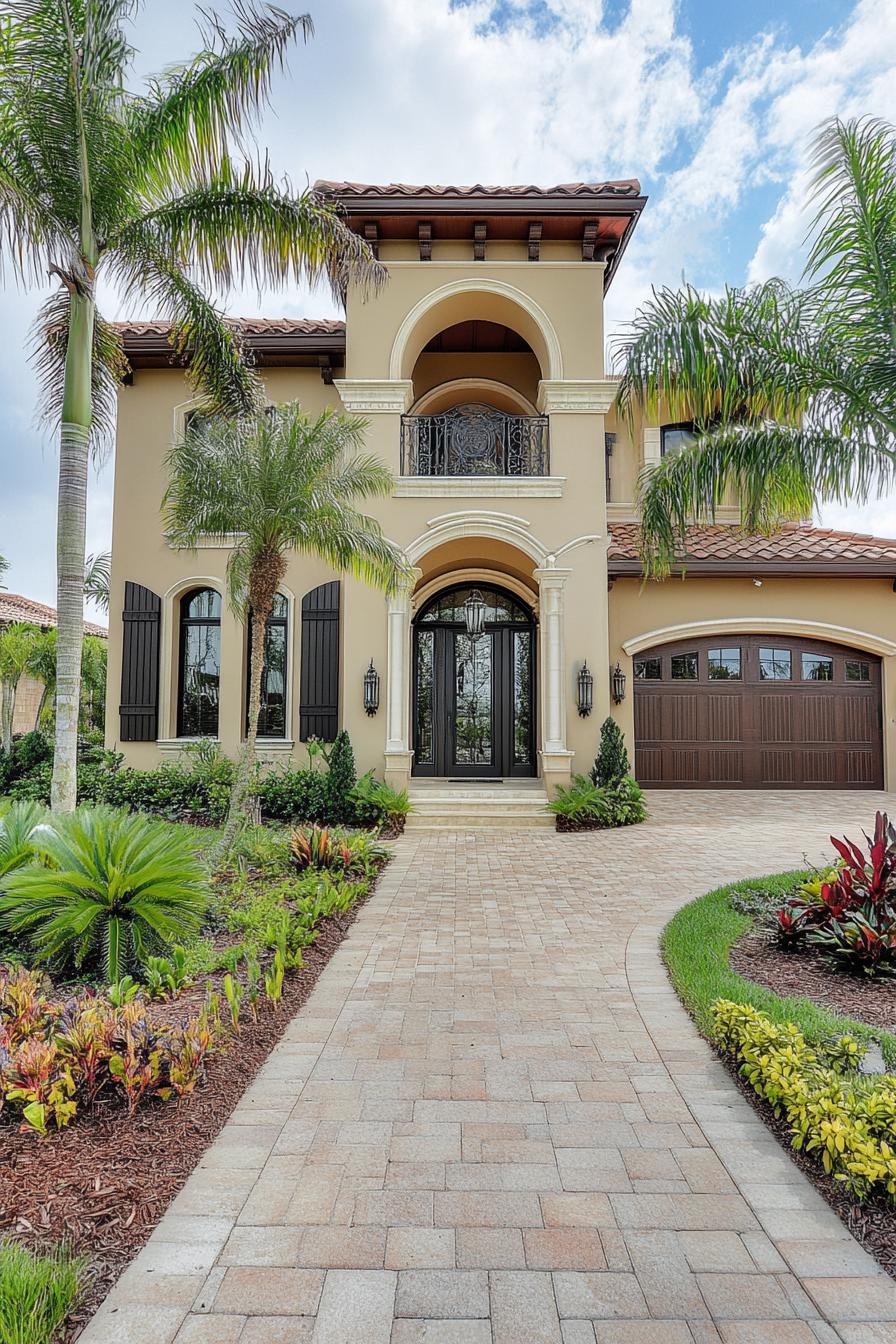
[(480, 367)]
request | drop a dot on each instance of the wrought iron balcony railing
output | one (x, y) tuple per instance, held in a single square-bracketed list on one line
[(474, 440)]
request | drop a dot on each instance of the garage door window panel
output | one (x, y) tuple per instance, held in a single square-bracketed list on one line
[(724, 664), (857, 670), (684, 667), (648, 669), (817, 667), (775, 664)]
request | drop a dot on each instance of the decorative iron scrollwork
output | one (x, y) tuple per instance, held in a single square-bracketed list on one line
[(474, 440)]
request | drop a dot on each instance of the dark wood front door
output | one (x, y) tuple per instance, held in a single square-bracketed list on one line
[(474, 698), (757, 712)]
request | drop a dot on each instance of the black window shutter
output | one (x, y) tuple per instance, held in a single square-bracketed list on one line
[(319, 678), (139, 708)]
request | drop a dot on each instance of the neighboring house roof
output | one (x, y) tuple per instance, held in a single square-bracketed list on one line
[(14, 607), (629, 187), (792, 549)]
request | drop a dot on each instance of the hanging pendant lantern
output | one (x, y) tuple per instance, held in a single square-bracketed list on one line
[(474, 613)]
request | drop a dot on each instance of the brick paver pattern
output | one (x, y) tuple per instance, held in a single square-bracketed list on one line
[(492, 1123)]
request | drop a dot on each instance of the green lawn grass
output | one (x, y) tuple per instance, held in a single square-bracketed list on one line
[(696, 944), (37, 1293)]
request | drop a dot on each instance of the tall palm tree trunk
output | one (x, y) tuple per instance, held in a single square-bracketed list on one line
[(264, 580), (7, 710), (71, 541)]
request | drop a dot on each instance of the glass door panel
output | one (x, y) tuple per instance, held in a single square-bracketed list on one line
[(473, 701)]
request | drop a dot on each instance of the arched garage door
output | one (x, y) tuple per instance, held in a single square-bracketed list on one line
[(757, 712)]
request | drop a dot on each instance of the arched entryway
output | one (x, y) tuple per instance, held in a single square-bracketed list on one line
[(474, 696)]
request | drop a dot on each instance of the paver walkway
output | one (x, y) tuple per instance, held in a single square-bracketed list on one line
[(492, 1123)]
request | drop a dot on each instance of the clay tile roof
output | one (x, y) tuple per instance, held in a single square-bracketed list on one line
[(792, 546), (249, 326), (14, 607), (629, 187)]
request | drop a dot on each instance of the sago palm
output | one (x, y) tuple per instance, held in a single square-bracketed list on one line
[(98, 181), (272, 483), (110, 890), (792, 391)]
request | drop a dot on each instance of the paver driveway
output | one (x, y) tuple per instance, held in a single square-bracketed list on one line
[(493, 1124)]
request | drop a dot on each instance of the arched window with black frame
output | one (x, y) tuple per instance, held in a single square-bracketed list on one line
[(272, 714), (675, 437), (199, 683)]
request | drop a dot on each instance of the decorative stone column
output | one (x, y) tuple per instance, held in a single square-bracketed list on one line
[(398, 754), (556, 758)]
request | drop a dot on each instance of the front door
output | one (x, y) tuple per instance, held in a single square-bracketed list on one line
[(474, 697)]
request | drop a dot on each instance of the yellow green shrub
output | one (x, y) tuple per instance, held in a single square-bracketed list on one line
[(847, 1118)]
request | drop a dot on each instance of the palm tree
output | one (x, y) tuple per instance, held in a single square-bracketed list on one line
[(16, 644), (792, 391), (140, 188), (277, 481)]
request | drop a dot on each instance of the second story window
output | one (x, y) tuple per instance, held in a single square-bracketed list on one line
[(474, 440), (675, 437), (200, 663)]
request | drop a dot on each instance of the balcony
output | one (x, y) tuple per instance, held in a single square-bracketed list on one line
[(474, 440)]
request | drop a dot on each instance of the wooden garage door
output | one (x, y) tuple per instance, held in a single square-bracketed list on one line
[(757, 712)]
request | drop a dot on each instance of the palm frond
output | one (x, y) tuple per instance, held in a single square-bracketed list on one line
[(210, 346), (853, 255), (48, 346), (778, 472), (194, 111), (97, 578), (238, 224)]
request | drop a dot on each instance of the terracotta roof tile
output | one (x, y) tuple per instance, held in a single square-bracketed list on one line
[(249, 326), (14, 607), (794, 544), (629, 187)]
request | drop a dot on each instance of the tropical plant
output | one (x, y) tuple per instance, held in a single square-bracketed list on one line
[(111, 890), (17, 841), (141, 188), (279, 481), (850, 911), (97, 578), (16, 645), (93, 682), (38, 1291), (316, 848), (377, 803), (42, 666), (585, 805), (612, 763), (792, 391)]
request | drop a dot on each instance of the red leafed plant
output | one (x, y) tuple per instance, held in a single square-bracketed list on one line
[(852, 912)]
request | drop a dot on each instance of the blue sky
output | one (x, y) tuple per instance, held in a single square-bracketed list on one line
[(709, 102)]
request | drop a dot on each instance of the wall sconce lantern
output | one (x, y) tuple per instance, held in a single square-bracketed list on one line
[(585, 687), (371, 689), (617, 685), (474, 614)]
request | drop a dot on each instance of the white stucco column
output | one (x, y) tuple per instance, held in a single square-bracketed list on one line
[(556, 758), (398, 754)]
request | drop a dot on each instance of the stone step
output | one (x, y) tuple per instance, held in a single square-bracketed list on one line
[(479, 821), (455, 807)]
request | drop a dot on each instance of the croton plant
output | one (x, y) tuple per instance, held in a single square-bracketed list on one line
[(850, 911)]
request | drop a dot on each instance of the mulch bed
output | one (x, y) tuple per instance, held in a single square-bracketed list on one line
[(807, 973), (104, 1183)]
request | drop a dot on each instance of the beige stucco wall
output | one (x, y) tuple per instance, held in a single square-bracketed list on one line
[(860, 613), (488, 528)]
